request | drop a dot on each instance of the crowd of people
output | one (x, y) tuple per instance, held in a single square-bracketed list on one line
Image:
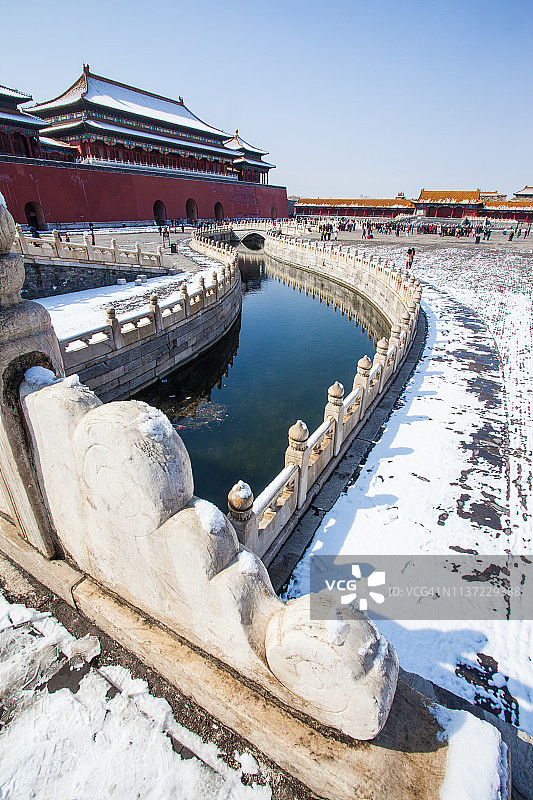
[(369, 228)]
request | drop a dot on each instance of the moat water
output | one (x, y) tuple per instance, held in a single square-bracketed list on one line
[(233, 407)]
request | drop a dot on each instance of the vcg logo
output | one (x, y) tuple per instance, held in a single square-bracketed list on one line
[(349, 587)]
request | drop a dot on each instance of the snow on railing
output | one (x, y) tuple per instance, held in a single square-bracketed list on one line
[(86, 346), (267, 522), (55, 247)]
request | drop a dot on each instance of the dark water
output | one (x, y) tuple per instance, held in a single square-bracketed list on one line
[(234, 406)]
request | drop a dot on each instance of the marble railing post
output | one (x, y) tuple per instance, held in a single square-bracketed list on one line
[(88, 246), (405, 322), (215, 284), (159, 255), (334, 410), (185, 299), (382, 349), (201, 285), (299, 454), (114, 248), (21, 240), (58, 247), (394, 341), (114, 324), (241, 514), (138, 253), (156, 311), (364, 365)]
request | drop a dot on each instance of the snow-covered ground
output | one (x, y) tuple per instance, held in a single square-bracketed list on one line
[(453, 469), (82, 311), (68, 730)]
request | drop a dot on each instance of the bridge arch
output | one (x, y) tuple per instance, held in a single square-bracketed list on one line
[(219, 211), (35, 216), (160, 212), (253, 240), (191, 210)]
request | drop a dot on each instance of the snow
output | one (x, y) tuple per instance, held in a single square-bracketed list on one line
[(26, 119), (37, 377), (64, 742), (211, 518), (248, 763), (242, 490), (470, 742), (155, 424), (248, 564), (2, 201), (77, 312), (137, 102), (453, 468), (337, 630)]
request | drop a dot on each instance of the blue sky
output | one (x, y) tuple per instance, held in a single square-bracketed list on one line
[(350, 98)]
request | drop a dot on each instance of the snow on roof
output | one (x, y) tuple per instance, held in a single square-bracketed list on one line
[(237, 143), (510, 205), (525, 190), (449, 196), (101, 91), (362, 201), (25, 119), (252, 162), (131, 132), (56, 143), (7, 92)]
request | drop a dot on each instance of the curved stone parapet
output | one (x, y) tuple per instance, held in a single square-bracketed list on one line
[(125, 355)]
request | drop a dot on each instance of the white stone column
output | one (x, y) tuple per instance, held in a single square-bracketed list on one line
[(364, 365), (242, 516), (298, 453), (156, 311), (22, 240), (114, 324), (335, 410)]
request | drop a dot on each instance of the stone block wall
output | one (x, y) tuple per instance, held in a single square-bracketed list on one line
[(47, 278), (121, 373)]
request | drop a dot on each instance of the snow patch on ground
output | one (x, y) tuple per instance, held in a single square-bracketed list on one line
[(83, 742), (471, 742)]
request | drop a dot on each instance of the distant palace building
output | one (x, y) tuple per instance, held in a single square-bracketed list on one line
[(524, 194), (362, 207), (103, 151), (448, 204)]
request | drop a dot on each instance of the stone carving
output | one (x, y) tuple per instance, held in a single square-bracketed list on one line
[(26, 339), (118, 482), (7, 227)]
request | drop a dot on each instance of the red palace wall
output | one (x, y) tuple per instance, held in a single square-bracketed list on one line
[(70, 194)]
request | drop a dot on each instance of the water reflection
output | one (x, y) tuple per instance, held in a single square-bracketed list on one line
[(234, 405)]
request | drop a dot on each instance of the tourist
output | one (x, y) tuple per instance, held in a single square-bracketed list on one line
[(410, 258)]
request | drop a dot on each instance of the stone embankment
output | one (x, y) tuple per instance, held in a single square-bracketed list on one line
[(123, 356)]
